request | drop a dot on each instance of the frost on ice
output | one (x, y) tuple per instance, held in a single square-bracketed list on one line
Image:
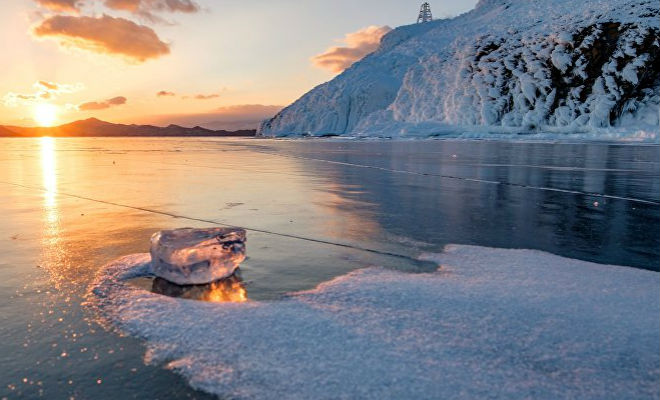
[(509, 66), (197, 256), (490, 323)]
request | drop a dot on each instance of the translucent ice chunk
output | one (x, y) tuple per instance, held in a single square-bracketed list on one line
[(197, 256)]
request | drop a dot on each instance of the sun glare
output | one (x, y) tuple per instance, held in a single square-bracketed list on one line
[(45, 114)]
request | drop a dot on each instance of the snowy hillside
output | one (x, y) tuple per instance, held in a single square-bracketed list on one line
[(566, 66)]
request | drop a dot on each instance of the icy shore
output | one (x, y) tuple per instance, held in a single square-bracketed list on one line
[(509, 66), (490, 323)]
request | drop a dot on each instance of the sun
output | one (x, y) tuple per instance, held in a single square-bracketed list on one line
[(45, 114)]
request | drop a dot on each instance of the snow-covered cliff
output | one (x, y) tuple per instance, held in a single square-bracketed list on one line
[(568, 66)]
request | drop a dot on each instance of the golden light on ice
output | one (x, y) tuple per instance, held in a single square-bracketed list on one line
[(54, 258), (48, 165), (45, 114), (228, 290)]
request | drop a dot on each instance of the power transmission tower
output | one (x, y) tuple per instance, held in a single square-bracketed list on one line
[(425, 14)]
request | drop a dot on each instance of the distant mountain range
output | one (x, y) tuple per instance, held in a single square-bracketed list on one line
[(95, 127)]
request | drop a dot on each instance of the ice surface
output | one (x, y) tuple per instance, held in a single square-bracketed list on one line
[(559, 66), (196, 256), (490, 323)]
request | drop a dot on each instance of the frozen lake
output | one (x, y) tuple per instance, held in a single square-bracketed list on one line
[(314, 210)]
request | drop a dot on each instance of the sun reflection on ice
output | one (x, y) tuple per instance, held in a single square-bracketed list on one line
[(49, 182), (48, 167), (52, 254)]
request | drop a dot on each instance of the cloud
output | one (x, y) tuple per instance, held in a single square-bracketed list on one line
[(102, 105), (242, 116), (206, 96), (125, 5), (60, 5), (357, 45), (12, 99), (105, 35), (184, 6), (117, 101), (44, 90), (201, 96), (147, 8), (48, 85)]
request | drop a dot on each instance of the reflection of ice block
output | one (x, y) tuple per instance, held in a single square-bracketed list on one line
[(225, 290), (196, 256)]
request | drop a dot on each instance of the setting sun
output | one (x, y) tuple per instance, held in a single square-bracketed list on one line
[(45, 114)]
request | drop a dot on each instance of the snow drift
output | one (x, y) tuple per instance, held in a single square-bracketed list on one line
[(564, 66), (490, 323)]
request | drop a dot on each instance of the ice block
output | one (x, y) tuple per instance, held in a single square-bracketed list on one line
[(196, 256)]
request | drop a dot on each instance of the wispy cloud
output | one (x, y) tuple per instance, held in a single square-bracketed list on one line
[(105, 35), (201, 96), (44, 90), (48, 85), (147, 8), (185, 6), (102, 105), (357, 45), (60, 5), (206, 96)]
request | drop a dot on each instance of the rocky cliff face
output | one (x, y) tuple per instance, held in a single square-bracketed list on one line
[(563, 66)]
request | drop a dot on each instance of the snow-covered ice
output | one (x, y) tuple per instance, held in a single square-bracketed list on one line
[(196, 256), (489, 323), (509, 66)]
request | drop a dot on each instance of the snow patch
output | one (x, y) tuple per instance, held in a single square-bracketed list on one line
[(491, 323)]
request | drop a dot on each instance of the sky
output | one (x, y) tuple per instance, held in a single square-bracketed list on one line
[(216, 63)]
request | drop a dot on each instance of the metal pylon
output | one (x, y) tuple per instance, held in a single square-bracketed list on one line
[(425, 14)]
